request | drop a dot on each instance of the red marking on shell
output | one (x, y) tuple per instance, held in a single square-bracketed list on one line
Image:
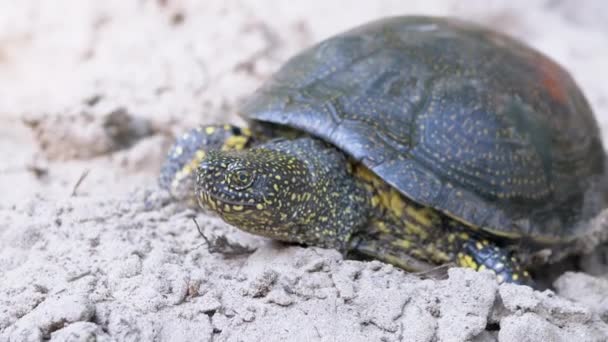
[(552, 80)]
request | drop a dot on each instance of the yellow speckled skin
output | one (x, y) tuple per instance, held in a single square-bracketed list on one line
[(291, 190)]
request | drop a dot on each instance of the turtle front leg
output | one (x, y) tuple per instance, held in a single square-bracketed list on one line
[(178, 172)]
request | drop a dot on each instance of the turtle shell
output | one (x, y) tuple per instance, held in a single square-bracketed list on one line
[(465, 120)]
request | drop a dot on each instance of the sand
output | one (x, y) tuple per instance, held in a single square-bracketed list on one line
[(92, 94)]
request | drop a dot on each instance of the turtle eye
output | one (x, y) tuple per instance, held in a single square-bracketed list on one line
[(240, 179)]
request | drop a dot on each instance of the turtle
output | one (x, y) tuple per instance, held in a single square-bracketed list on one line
[(417, 141)]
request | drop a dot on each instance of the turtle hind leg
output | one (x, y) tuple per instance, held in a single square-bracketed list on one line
[(468, 249), (483, 255), (178, 171)]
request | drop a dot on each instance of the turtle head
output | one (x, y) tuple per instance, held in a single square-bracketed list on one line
[(293, 190), (258, 190)]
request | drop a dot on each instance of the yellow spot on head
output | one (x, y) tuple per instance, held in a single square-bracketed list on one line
[(259, 206), (209, 129)]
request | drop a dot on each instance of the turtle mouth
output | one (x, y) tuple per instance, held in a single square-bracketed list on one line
[(206, 196)]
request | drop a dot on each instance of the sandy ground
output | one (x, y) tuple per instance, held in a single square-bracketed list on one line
[(91, 93)]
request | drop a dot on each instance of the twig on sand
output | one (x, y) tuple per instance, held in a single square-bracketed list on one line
[(438, 272), (83, 175), (220, 244)]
